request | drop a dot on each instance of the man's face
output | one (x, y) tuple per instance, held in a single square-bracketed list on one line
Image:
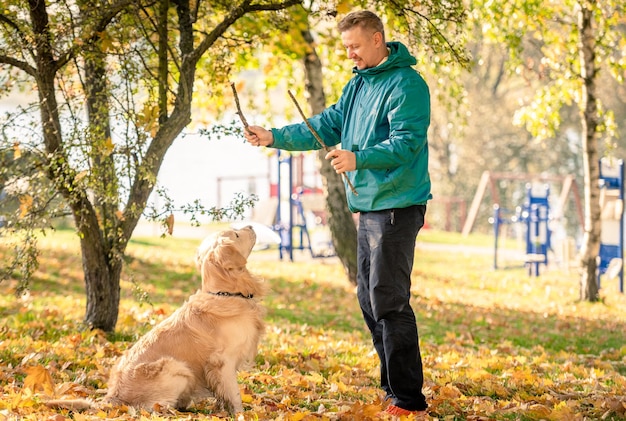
[(363, 47)]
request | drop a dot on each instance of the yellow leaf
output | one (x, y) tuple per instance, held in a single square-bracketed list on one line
[(449, 392), (26, 202), (106, 42), (102, 415), (361, 411), (77, 416), (239, 86), (108, 147), (246, 398), (562, 411), (298, 416), (81, 175), (344, 7), (38, 378), (339, 387), (315, 378), (17, 152), (148, 118), (169, 222), (540, 411)]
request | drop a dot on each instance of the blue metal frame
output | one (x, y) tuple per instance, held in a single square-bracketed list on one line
[(537, 216), (285, 229)]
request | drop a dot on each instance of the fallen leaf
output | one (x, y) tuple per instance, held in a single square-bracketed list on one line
[(39, 378)]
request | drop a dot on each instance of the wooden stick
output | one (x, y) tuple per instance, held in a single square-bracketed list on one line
[(317, 136), (241, 116), (319, 139)]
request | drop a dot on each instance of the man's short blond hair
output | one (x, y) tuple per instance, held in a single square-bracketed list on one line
[(363, 18)]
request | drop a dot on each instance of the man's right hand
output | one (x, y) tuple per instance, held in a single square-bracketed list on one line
[(258, 136)]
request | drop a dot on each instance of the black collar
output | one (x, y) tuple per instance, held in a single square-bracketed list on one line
[(231, 294)]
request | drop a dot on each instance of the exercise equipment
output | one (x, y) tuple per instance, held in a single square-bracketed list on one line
[(612, 220), (535, 216), (291, 220)]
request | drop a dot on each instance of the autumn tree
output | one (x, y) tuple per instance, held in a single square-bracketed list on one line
[(115, 84), (575, 42)]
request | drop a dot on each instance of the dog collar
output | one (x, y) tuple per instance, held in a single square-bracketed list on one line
[(231, 294)]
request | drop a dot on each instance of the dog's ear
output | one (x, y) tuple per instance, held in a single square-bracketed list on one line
[(227, 255), (204, 249)]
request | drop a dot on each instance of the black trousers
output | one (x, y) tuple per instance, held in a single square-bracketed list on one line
[(386, 249)]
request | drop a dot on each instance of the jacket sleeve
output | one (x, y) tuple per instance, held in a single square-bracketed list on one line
[(298, 137), (408, 116)]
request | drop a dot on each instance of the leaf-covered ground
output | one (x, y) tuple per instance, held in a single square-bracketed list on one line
[(496, 345)]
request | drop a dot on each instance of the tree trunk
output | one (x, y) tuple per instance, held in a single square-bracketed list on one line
[(340, 221), (102, 284), (591, 241), (100, 247), (102, 271)]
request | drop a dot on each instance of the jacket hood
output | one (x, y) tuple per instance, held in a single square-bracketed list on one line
[(399, 56)]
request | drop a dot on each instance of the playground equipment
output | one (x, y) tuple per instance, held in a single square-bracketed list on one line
[(612, 220), (291, 218), (535, 216), (490, 179)]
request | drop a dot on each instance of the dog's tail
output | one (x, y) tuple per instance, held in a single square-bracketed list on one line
[(71, 404)]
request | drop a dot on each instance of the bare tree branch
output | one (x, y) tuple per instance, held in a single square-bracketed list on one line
[(450, 13), (22, 65), (236, 13), (10, 60)]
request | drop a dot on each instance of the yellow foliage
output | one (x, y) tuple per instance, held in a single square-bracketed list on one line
[(38, 378), (298, 416), (108, 147), (449, 392), (148, 118), (344, 7), (563, 411), (81, 175), (106, 41), (321, 366), (26, 203), (246, 398), (169, 222)]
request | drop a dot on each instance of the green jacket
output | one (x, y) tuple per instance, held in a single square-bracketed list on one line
[(383, 117)]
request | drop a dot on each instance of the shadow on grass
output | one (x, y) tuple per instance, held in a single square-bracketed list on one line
[(335, 307), (300, 299)]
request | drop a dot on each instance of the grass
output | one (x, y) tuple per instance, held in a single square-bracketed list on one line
[(496, 344)]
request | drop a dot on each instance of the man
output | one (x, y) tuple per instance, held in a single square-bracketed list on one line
[(381, 121)]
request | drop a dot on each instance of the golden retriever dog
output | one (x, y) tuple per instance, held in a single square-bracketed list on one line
[(196, 352)]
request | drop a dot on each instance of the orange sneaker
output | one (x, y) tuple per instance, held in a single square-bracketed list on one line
[(398, 412)]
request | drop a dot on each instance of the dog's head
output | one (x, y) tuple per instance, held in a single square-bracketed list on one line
[(222, 259), (229, 248)]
